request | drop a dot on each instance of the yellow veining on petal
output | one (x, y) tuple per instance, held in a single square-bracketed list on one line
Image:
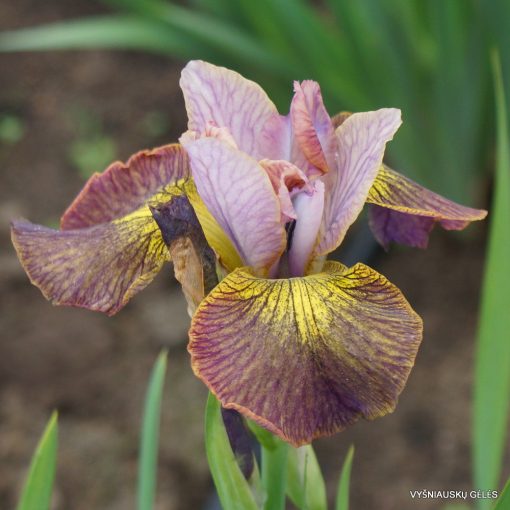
[(397, 192), (339, 344)]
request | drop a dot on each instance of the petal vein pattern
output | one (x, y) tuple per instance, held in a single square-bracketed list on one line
[(224, 97), (305, 357), (361, 141), (404, 212), (238, 193)]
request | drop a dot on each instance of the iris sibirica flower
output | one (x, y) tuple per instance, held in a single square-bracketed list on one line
[(256, 201)]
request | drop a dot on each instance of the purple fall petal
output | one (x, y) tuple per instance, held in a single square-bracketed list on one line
[(404, 212), (306, 357)]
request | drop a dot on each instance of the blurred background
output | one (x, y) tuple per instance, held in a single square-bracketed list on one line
[(65, 115)]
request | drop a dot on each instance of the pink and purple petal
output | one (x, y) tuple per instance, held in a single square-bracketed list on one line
[(361, 140), (312, 125), (287, 179), (239, 195), (306, 357), (224, 97), (99, 267), (404, 212), (124, 187)]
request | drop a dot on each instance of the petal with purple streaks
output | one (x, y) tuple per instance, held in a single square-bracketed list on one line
[(361, 139), (312, 125), (306, 357), (404, 212), (124, 187), (224, 97), (99, 267), (239, 195)]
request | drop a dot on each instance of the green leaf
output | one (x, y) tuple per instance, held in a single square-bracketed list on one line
[(233, 490), (503, 502), (305, 483), (274, 479), (342, 495), (126, 32), (37, 490), (147, 467), (492, 377)]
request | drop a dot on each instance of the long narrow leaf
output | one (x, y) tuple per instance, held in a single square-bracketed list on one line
[(342, 495), (492, 377), (147, 468), (233, 490), (274, 475), (37, 490), (504, 498), (124, 32), (305, 483)]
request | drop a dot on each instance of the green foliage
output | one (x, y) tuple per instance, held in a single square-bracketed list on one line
[(11, 129), (232, 488), (147, 467), (37, 490), (305, 484), (342, 495), (274, 475), (492, 375), (503, 502), (427, 58)]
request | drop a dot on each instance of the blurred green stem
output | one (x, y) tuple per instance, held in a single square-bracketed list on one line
[(274, 475)]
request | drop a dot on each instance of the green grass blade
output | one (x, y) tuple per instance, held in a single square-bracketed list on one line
[(147, 467), (37, 490), (305, 483), (233, 490), (124, 32), (492, 377), (274, 475), (342, 495), (503, 502)]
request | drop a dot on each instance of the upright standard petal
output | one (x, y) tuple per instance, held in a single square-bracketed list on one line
[(306, 357), (405, 212), (239, 194), (224, 97), (124, 187), (361, 140), (109, 247), (312, 125)]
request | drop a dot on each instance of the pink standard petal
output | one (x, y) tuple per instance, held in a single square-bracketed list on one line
[(239, 194), (227, 99), (361, 139), (312, 125)]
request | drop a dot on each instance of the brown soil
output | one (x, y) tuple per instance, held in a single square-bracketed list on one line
[(94, 369)]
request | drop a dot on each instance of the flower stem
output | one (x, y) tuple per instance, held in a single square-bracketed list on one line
[(274, 475)]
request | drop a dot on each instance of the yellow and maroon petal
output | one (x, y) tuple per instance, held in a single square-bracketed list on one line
[(124, 187), (306, 357), (404, 212), (99, 267)]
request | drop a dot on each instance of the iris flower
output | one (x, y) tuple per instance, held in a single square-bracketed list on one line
[(301, 345)]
